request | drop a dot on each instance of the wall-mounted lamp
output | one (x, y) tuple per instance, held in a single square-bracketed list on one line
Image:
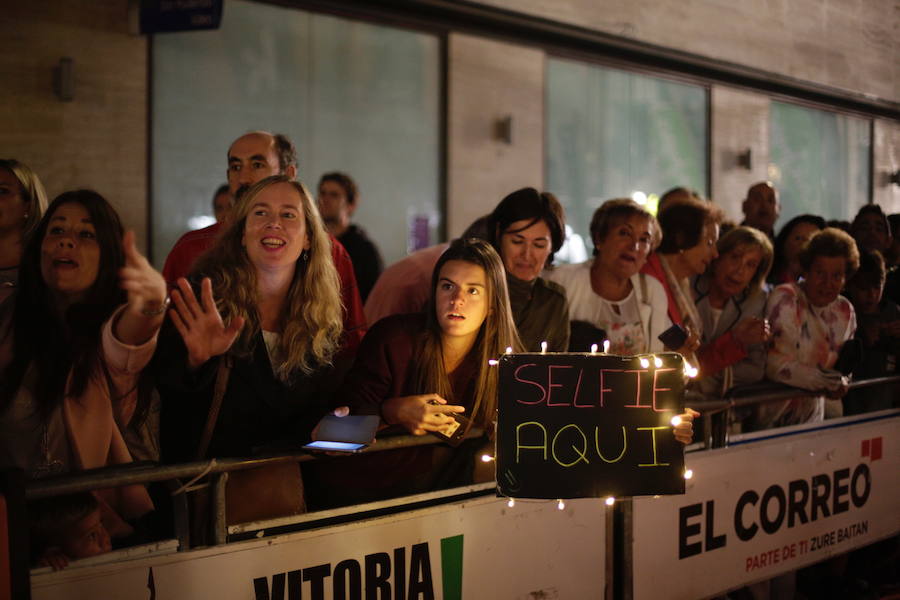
[(64, 79), (745, 159), (503, 129)]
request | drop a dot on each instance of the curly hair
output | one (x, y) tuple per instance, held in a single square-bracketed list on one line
[(311, 319), (498, 331), (831, 242)]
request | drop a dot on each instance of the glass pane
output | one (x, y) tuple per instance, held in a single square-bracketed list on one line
[(354, 97), (819, 161), (611, 133)]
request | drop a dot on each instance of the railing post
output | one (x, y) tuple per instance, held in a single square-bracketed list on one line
[(180, 515), (622, 585), (217, 497)]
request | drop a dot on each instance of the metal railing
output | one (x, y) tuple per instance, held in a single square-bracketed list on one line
[(715, 414)]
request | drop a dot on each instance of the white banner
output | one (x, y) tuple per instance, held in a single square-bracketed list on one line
[(475, 549), (772, 503)]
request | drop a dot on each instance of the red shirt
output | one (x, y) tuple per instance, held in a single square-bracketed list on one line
[(194, 243)]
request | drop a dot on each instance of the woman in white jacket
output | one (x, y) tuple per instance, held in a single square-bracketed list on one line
[(608, 291)]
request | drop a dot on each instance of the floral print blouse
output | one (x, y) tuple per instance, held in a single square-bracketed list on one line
[(805, 344)]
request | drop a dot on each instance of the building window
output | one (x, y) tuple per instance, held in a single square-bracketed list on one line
[(613, 133), (819, 160), (356, 97)]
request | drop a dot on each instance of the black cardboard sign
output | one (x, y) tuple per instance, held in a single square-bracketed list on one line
[(589, 425)]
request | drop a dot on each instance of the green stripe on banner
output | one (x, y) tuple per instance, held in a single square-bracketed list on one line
[(451, 567)]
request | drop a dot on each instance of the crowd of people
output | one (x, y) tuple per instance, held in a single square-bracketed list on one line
[(256, 328)]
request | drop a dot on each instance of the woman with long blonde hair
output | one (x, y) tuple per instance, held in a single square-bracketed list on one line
[(264, 331)]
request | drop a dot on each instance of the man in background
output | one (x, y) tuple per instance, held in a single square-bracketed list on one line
[(338, 198)]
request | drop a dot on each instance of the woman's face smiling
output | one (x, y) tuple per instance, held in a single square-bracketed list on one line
[(275, 229), (734, 270), (70, 253), (625, 248), (461, 299), (525, 252)]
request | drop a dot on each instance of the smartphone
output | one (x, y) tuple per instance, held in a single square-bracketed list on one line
[(345, 434), (674, 337), (456, 431), (335, 446)]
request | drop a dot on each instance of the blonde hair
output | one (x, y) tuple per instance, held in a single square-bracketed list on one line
[(311, 319), (497, 332), (33, 193)]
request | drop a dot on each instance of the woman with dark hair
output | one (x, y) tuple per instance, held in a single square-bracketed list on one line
[(22, 204), (609, 293), (419, 370), (810, 322), (73, 341), (731, 302), (526, 229), (263, 332), (788, 244), (690, 229)]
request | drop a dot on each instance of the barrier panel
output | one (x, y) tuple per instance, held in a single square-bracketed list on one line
[(771, 503), (479, 548)]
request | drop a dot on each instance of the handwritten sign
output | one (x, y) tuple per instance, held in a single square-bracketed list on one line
[(584, 425)]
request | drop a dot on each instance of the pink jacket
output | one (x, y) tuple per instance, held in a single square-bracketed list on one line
[(91, 419)]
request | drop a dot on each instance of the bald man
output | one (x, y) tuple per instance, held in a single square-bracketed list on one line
[(761, 208)]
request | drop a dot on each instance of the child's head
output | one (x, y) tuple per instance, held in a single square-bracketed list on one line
[(70, 524), (867, 284)]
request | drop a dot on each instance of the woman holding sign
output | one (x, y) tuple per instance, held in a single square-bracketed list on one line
[(429, 373)]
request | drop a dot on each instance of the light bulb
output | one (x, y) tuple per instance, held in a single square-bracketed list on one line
[(561, 505), (610, 500)]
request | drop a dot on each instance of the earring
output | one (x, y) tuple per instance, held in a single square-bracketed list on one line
[(304, 256)]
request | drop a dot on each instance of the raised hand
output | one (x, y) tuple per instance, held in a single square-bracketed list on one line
[(146, 291), (420, 414), (201, 327), (146, 288), (684, 431)]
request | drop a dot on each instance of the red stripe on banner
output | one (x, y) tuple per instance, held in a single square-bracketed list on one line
[(876, 448), (865, 447)]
